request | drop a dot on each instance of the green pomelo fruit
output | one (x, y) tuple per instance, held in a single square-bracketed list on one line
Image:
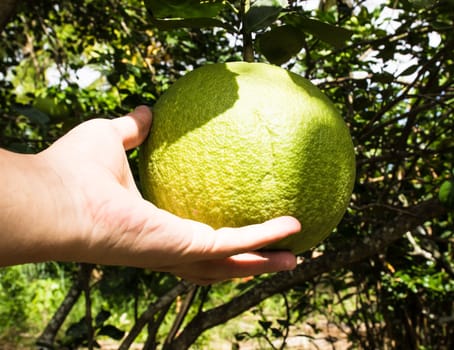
[(240, 143)]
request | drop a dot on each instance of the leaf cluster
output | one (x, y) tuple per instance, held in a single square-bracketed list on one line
[(280, 26), (388, 268)]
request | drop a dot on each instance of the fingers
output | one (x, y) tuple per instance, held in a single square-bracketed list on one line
[(206, 256), (230, 241), (194, 241), (134, 127), (242, 265)]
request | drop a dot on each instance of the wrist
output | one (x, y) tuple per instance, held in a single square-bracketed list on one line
[(30, 213)]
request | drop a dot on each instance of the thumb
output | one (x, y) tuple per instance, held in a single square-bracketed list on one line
[(134, 127)]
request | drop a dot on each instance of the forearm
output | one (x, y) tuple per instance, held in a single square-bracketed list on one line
[(26, 209)]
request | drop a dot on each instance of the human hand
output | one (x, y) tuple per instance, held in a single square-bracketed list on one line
[(100, 216)]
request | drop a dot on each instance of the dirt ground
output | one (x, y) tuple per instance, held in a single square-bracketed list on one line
[(329, 337), (303, 337)]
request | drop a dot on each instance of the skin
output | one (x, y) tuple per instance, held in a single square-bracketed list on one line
[(77, 201)]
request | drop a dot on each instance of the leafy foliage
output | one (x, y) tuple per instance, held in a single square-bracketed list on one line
[(280, 39), (387, 271), (446, 193)]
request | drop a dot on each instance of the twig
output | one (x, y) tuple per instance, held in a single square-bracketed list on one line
[(152, 309), (86, 273), (248, 47), (417, 250), (182, 314)]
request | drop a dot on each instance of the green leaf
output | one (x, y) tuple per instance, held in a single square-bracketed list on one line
[(410, 70), (101, 317), (188, 13), (446, 194), (77, 330), (325, 5), (384, 78), (283, 322), (262, 13), (276, 332), (112, 332), (280, 43), (184, 9), (265, 324), (422, 4), (241, 336), (333, 35), (33, 114), (167, 24)]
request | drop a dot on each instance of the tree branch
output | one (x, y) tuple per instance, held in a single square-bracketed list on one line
[(151, 311), (248, 45), (182, 314), (47, 337), (335, 258)]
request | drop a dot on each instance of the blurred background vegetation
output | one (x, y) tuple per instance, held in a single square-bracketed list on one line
[(385, 277)]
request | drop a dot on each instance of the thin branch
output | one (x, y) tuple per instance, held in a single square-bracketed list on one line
[(287, 321), (182, 314), (47, 337), (248, 45), (153, 326), (86, 274), (152, 309)]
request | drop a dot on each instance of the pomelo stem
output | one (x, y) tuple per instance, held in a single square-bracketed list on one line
[(248, 48)]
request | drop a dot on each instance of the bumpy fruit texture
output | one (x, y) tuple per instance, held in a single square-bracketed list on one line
[(240, 143)]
